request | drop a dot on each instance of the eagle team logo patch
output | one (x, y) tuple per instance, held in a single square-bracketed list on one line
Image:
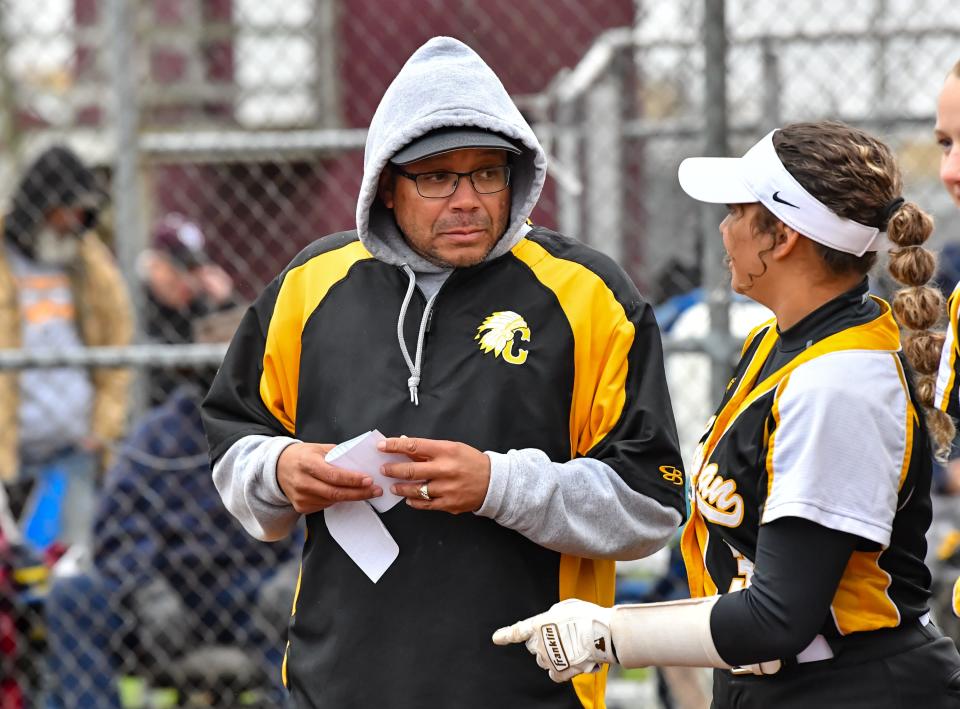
[(497, 334)]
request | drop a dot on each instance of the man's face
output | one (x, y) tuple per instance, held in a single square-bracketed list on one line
[(455, 231), (55, 243), (67, 221), (170, 283)]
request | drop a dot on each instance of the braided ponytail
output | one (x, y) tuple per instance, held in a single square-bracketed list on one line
[(918, 308)]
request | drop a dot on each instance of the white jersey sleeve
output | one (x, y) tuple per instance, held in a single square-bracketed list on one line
[(840, 447), (946, 398)]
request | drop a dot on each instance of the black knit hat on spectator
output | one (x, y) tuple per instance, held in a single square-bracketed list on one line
[(181, 240)]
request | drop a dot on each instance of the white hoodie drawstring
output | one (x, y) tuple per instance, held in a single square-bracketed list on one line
[(413, 365)]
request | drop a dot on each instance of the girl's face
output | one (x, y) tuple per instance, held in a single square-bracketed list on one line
[(744, 246), (948, 136)]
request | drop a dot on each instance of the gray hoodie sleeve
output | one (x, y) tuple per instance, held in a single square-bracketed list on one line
[(582, 507), (246, 477)]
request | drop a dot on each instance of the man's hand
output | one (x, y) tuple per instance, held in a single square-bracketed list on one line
[(215, 283), (571, 638), (312, 485), (456, 475)]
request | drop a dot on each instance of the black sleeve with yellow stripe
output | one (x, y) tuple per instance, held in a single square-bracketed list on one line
[(235, 406), (621, 410), (647, 415)]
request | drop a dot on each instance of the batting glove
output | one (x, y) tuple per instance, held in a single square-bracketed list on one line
[(571, 638)]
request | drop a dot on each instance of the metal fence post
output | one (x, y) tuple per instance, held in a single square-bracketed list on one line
[(715, 275), (568, 154), (127, 184), (881, 50), (603, 158), (771, 85), (129, 232)]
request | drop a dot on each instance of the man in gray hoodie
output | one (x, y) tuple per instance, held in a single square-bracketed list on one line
[(519, 372)]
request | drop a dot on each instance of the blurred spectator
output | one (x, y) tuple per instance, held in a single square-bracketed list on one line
[(172, 569), (59, 288), (11, 689), (181, 285), (948, 268), (693, 395), (676, 278)]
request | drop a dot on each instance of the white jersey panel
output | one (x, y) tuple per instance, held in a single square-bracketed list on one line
[(946, 370), (839, 447), (947, 359)]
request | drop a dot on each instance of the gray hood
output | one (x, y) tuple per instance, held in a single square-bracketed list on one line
[(443, 84)]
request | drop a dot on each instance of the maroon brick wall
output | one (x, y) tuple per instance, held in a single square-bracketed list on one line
[(258, 216)]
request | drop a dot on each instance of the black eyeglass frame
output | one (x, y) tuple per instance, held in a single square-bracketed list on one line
[(414, 175)]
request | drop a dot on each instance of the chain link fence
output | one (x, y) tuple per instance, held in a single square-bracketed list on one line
[(223, 136)]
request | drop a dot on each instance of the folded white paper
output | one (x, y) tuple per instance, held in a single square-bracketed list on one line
[(360, 454), (357, 528)]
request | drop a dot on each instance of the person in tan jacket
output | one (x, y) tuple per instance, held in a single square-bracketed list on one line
[(59, 287)]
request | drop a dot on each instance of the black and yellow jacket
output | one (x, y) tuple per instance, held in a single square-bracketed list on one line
[(316, 358), (544, 356)]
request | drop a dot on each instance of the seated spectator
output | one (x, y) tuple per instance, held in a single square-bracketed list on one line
[(181, 284), (172, 569), (59, 288), (948, 268)]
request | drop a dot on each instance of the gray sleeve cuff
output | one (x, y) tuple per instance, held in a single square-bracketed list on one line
[(497, 487), (271, 491), (246, 478)]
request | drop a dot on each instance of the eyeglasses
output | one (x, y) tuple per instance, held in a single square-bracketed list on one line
[(437, 185)]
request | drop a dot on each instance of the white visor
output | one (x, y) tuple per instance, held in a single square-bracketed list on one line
[(759, 176)]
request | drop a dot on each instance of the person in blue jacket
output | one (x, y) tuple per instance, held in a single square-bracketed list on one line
[(171, 568)]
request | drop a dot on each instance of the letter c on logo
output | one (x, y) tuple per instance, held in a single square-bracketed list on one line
[(520, 356)]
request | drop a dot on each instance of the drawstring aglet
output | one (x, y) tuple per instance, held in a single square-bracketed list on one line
[(413, 383)]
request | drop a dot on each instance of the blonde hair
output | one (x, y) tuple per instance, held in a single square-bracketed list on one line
[(956, 69), (856, 176)]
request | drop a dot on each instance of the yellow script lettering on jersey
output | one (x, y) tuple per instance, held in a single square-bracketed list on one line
[(717, 498)]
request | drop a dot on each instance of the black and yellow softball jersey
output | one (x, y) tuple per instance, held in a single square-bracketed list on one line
[(822, 427), (579, 374), (947, 397)]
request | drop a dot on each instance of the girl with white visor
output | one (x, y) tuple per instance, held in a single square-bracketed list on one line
[(810, 491)]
